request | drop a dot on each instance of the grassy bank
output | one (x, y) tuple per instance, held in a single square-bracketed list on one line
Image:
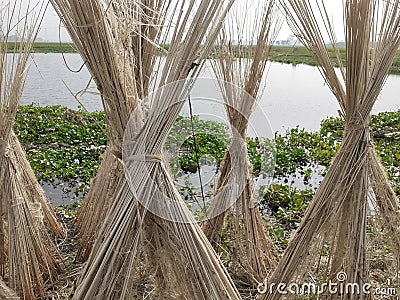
[(283, 54), (48, 47), (300, 55)]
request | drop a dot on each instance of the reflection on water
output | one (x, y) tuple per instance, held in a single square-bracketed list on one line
[(294, 95), (49, 82), (62, 192)]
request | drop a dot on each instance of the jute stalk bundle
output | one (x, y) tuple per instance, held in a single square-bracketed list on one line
[(252, 256), (149, 215), (34, 189), (118, 42), (332, 236), (28, 255)]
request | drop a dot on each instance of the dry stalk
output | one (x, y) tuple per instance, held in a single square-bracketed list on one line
[(28, 255), (118, 40), (240, 81), (129, 229), (332, 237)]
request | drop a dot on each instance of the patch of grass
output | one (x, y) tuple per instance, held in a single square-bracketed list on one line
[(47, 47), (299, 55), (54, 47), (56, 124), (61, 143)]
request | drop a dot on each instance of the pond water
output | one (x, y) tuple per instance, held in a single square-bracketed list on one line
[(61, 193), (294, 95)]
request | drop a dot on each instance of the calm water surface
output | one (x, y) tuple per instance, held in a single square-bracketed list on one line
[(294, 95)]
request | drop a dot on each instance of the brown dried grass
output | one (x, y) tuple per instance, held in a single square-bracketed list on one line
[(6, 292)]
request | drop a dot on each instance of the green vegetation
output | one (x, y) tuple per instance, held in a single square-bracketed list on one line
[(287, 205), (48, 47), (54, 48), (299, 55), (61, 143), (211, 139), (67, 145)]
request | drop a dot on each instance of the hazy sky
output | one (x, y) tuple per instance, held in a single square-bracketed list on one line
[(51, 23)]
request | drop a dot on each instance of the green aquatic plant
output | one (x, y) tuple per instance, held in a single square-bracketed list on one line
[(65, 144)]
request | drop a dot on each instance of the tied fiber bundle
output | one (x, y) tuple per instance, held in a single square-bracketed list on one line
[(332, 237), (9, 65), (240, 81), (28, 255), (118, 41), (148, 215)]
